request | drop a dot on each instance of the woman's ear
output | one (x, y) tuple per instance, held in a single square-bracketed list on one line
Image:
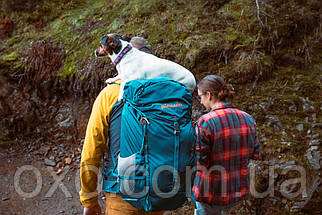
[(209, 96)]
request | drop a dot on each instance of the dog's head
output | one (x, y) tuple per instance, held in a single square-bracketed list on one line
[(110, 44)]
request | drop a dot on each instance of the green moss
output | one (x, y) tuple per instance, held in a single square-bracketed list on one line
[(115, 25), (13, 56), (13, 60), (232, 37), (4, 144), (14, 41), (68, 69)]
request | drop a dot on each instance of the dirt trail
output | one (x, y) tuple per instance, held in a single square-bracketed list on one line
[(30, 196)]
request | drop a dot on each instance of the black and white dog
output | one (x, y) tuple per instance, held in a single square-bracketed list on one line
[(132, 64)]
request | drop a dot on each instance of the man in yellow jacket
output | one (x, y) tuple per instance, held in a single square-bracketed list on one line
[(96, 142)]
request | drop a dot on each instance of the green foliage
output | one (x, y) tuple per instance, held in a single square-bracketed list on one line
[(12, 59), (224, 37), (68, 69), (4, 144), (32, 11), (13, 56), (186, 32)]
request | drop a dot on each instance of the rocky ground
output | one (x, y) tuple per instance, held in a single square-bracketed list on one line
[(32, 182), (45, 181)]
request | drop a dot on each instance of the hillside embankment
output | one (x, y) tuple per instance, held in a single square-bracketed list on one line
[(269, 50)]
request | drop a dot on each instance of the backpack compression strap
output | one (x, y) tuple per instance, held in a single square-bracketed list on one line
[(176, 154)]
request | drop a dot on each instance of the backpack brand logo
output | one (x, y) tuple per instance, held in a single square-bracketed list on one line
[(177, 105)]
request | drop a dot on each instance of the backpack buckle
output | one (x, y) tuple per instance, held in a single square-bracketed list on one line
[(176, 128), (147, 121)]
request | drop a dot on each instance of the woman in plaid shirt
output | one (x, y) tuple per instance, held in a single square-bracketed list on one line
[(228, 140)]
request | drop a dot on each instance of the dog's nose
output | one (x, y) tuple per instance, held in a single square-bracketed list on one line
[(98, 54)]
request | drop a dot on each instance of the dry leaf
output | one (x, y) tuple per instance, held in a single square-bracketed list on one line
[(59, 171), (68, 161), (47, 149)]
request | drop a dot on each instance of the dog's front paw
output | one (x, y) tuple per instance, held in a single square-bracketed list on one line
[(120, 98), (110, 81)]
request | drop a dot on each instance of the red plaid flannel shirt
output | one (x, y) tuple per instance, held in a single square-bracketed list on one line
[(228, 140)]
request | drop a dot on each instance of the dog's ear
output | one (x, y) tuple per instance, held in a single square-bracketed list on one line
[(126, 38), (114, 44)]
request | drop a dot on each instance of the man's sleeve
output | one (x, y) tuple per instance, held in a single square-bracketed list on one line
[(94, 146)]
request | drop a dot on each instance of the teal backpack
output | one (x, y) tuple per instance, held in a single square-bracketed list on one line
[(157, 144)]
